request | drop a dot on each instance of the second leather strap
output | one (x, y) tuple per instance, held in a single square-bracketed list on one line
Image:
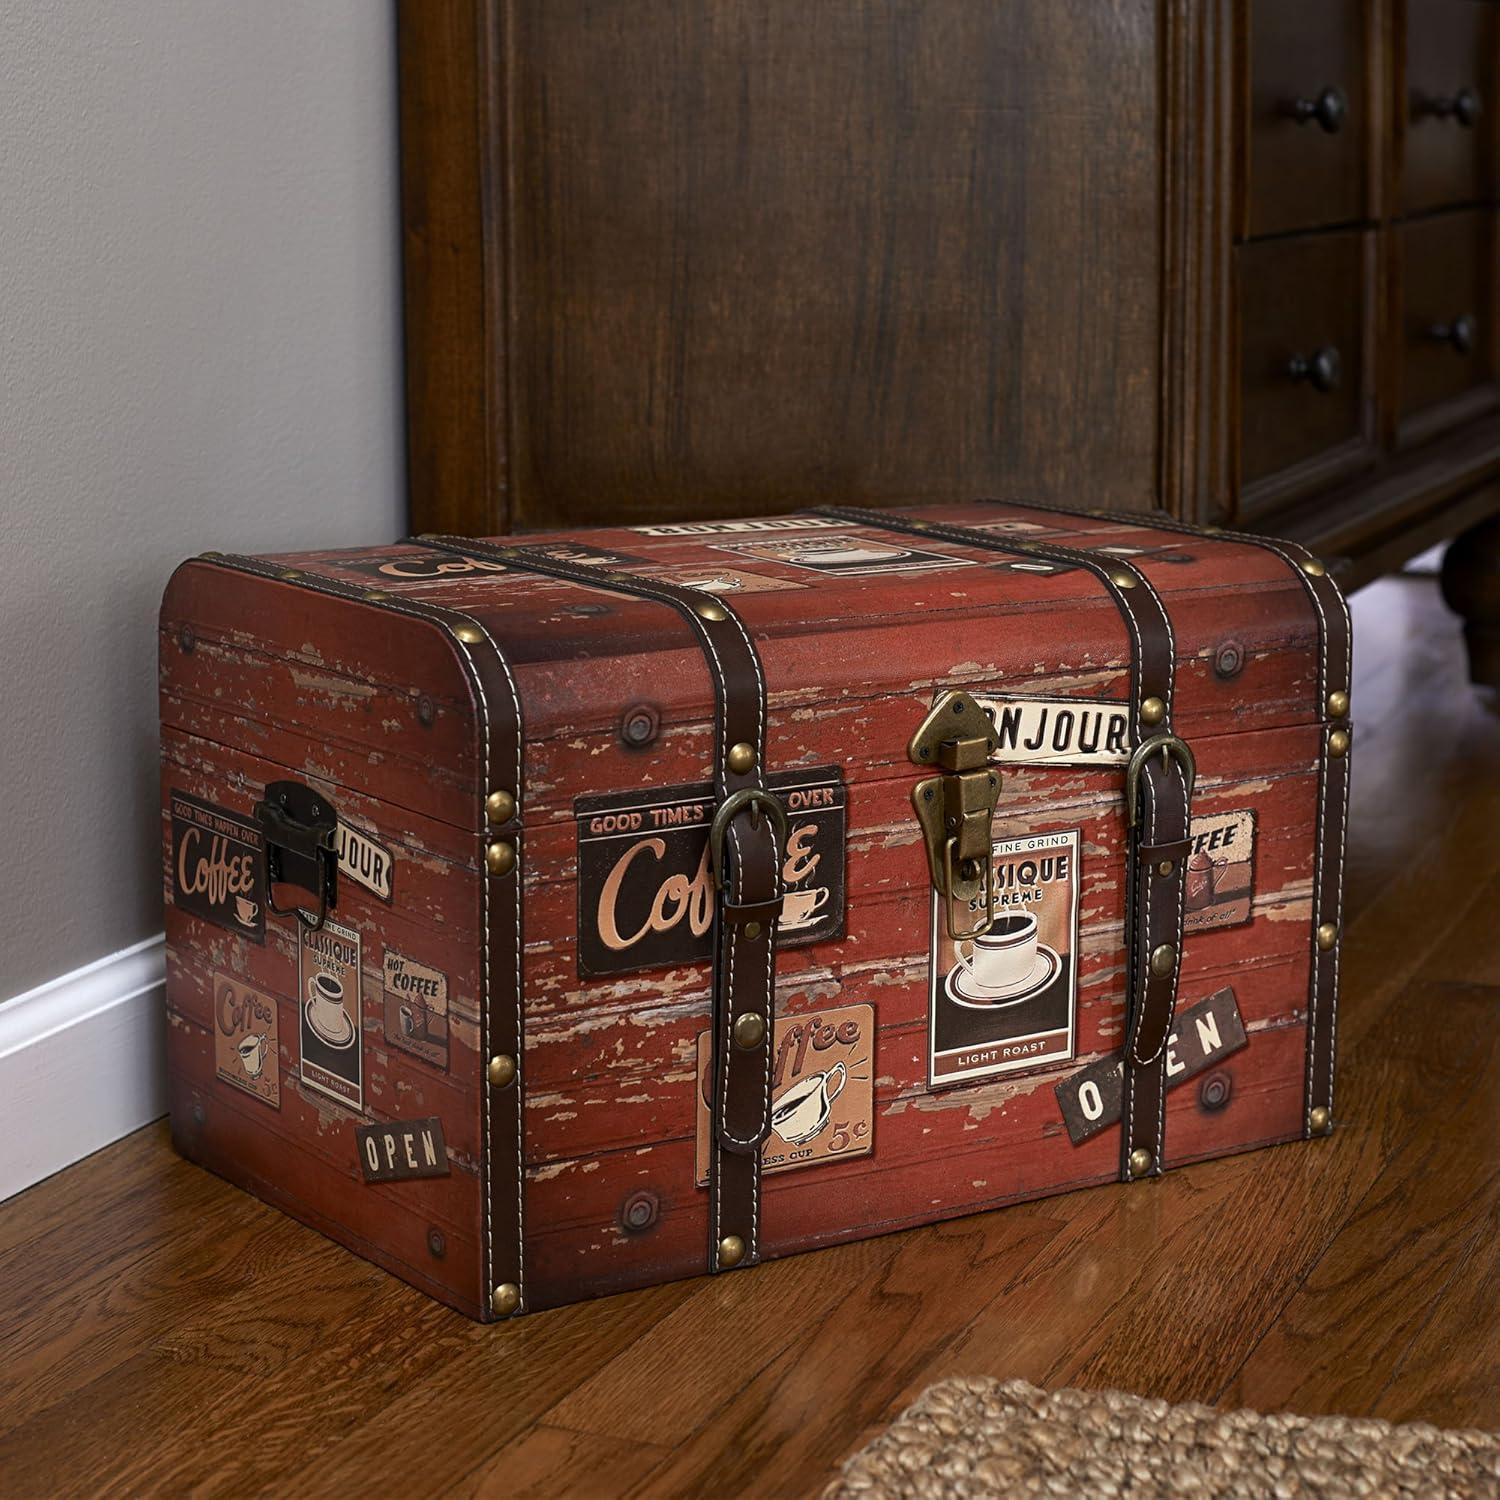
[(745, 851)]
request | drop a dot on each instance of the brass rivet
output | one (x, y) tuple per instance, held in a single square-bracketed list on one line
[(375, 595), (289, 574), (1338, 705), (1140, 1161), (1312, 567), (1319, 1119), (741, 758), (1165, 867), (506, 1298), (1123, 580), (501, 1071), (1328, 935), (749, 1032), (500, 857), (1338, 742), (710, 609), (500, 807), (731, 1251), (1163, 960), (1153, 711), (470, 635), (752, 929)]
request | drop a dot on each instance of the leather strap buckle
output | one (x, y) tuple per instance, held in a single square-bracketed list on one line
[(752, 797), (1169, 747)]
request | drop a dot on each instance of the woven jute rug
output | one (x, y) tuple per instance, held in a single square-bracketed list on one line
[(982, 1437)]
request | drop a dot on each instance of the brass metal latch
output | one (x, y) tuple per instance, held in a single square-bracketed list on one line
[(956, 808)]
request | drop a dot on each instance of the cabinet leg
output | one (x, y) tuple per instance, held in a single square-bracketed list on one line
[(1471, 585)]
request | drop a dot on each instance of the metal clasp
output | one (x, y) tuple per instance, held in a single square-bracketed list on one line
[(754, 798), (300, 829), (1169, 747), (956, 808)]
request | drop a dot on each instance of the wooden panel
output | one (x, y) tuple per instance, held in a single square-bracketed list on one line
[(1303, 305), (1449, 103), (1445, 333), (741, 257), (1308, 123)]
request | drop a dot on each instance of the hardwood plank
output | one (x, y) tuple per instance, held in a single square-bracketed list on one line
[(696, 1360), (552, 1461), (1381, 1277)]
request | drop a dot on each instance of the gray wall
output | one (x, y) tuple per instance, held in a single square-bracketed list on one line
[(199, 347)]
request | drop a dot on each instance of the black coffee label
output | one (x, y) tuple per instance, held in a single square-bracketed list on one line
[(645, 889), (332, 1016), (401, 1149), (218, 867)]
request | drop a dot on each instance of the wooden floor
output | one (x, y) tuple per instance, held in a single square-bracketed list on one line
[(160, 1331)]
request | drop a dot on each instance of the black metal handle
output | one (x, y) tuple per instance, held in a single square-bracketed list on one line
[(1321, 369), (1327, 110), (1461, 334), (1465, 107), (300, 828)]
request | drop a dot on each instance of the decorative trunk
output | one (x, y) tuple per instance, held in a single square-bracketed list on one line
[(521, 1048)]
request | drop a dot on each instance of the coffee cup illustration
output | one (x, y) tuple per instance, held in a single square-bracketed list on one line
[(1005, 965), (245, 910), (252, 1050), (847, 555), (325, 1010), (414, 1022), (1203, 872), (714, 583), (801, 908), (803, 1109)]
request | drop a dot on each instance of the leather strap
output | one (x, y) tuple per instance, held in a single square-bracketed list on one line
[(1335, 670), (1156, 867), (749, 909), (502, 1098)]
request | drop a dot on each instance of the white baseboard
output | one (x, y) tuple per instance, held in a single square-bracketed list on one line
[(82, 1062)]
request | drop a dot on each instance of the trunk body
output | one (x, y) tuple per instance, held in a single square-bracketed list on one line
[(345, 1074)]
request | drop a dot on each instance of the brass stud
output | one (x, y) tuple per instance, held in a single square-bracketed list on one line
[(505, 1299), (1328, 935), (289, 574), (470, 635), (1338, 705), (500, 857), (1123, 580), (731, 1251), (375, 595), (1165, 868), (501, 1071), (499, 807), (1312, 567), (1153, 711), (1141, 1161), (1163, 960), (1319, 1119), (741, 758), (752, 930), (710, 609), (749, 1032), (1338, 743)]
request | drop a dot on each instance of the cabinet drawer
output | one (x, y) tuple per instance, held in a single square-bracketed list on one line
[(1445, 334), (1303, 309), (1449, 106), (1307, 129)]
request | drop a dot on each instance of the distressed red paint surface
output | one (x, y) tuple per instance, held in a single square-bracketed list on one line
[(372, 709)]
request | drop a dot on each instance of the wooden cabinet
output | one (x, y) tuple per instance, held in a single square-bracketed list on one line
[(698, 258)]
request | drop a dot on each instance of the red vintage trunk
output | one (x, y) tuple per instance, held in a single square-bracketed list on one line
[(510, 1130)]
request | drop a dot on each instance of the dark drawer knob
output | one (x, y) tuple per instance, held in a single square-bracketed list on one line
[(1321, 369), (1465, 107), (1328, 110), (1461, 334)]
